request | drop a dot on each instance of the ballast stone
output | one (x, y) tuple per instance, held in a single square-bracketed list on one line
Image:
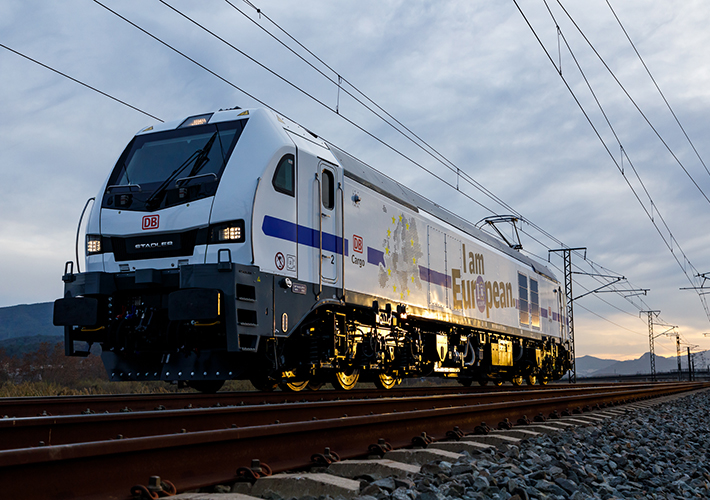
[(517, 432), (379, 468), (300, 485), (213, 496), (542, 428), (422, 456), (492, 440), (460, 446)]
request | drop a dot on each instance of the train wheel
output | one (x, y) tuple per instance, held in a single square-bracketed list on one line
[(386, 381), (294, 386), (346, 379), (466, 382), (264, 384), (531, 379), (314, 386), (517, 380), (482, 382)]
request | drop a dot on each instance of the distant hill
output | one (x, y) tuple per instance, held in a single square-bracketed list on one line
[(18, 346), (28, 320), (643, 365), (586, 365)]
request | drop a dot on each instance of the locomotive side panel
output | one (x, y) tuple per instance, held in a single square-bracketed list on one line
[(412, 258), (251, 168)]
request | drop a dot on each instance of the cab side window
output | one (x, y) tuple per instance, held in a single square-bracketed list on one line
[(284, 177), (328, 186)]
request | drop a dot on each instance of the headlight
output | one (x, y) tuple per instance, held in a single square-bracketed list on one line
[(227, 232), (93, 244)]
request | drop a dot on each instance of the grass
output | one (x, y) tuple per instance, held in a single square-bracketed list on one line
[(97, 386)]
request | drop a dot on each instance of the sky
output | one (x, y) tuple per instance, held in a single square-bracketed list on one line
[(472, 79)]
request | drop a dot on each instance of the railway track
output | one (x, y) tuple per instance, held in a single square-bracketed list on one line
[(91, 404), (75, 405), (104, 455)]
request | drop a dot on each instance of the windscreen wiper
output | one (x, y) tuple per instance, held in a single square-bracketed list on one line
[(203, 158), (198, 157)]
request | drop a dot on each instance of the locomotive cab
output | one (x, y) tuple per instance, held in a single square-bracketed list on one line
[(172, 286)]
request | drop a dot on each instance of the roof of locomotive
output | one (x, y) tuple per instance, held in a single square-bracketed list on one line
[(374, 179), (379, 182)]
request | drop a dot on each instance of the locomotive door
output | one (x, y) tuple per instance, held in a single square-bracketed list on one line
[(319, 221), (329, 242)]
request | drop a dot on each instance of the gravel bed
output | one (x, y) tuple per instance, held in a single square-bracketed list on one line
[(656, 452)]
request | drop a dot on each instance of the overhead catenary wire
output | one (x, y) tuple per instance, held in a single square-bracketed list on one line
[(467, 177), (263, 103), (439, 156), (420, 143), (653, 128), (305, 93), (152, 116), (649, 214), (675, 117), (582, 286), (433, 152), (75, 80)]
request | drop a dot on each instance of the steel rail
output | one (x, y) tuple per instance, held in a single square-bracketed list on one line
[(108, 469), (18, 433), (74, 405)]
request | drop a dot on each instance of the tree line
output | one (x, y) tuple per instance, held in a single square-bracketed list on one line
[(48, 364)]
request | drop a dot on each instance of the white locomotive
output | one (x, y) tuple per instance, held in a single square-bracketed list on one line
[(238, 245)]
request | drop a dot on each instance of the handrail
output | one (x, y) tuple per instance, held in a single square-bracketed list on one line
[(189, 178), (342, 242), (129, 186), (320, 232)]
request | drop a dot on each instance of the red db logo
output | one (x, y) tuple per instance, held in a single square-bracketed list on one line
[(357, 243), (151, 221)]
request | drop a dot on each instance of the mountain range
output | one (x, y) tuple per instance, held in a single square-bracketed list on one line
[(24, 327), (589, 366)]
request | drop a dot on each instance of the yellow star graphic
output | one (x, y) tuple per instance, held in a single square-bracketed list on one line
[(401, 295), (387, 251), (389, 233), (412, 282), (393, 220), (389, 272), (400, 218), (394, 287), (407, 226), (414, 260)]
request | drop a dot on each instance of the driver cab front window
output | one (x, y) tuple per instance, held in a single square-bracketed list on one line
[(284, 177)]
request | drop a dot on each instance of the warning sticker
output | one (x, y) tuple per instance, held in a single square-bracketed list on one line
[(280, 261)]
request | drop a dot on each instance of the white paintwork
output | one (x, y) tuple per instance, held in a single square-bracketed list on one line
[(411, 243)]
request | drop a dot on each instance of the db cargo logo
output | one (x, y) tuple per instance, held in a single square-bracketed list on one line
[(357, 243), (151, 221)]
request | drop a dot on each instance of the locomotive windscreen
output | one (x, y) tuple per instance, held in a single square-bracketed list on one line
[(169, 168)]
